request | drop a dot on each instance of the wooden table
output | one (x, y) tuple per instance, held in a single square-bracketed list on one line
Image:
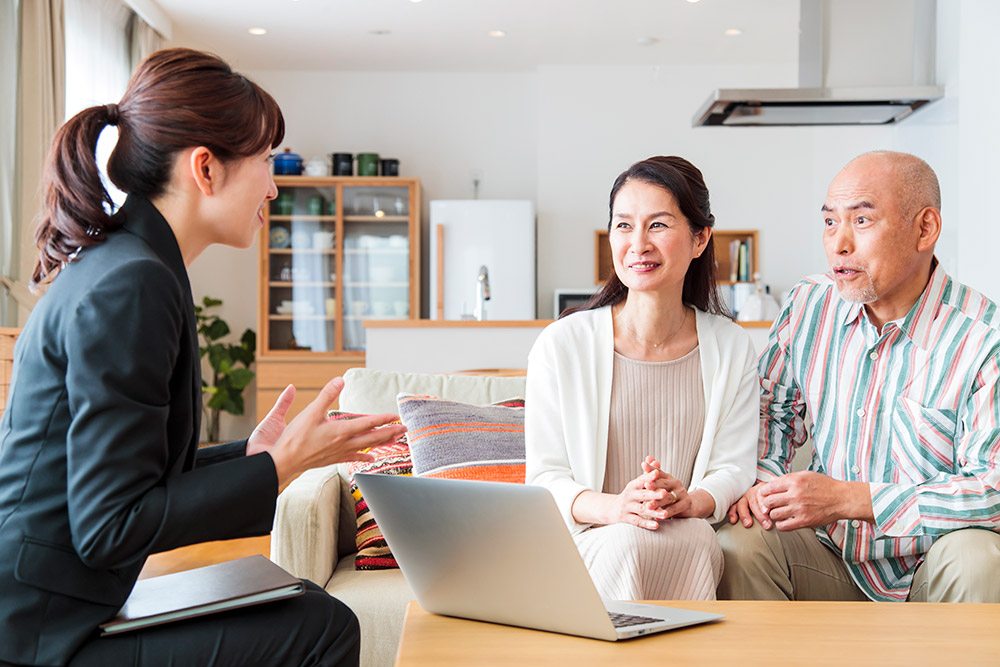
[(753, 633)]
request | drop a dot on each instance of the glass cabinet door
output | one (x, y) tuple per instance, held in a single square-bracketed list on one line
[(301, 270), (376, 273)]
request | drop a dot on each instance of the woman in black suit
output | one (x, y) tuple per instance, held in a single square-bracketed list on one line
[(99, 458)]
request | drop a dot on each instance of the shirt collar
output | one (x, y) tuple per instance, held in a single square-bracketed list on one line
[(917, 323)]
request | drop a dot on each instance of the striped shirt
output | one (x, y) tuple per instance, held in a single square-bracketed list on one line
[(913, 411)]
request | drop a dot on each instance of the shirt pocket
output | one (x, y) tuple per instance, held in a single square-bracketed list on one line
[(923, 440)]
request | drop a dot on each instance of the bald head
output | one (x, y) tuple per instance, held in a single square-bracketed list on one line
[(914, 182)]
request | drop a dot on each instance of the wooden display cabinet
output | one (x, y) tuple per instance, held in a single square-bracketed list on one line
[(334, 251)]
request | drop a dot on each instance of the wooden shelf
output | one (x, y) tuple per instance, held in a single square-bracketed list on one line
[(324, 346), (376, 218), (303, 217), (302, 251), (278, 283)]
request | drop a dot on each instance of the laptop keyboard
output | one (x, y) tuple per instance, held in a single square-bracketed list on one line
[(628, 620)]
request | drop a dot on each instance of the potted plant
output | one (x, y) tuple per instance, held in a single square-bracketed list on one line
[(230, 366)]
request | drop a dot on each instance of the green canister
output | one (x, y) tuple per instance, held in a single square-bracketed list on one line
[(367, 164)]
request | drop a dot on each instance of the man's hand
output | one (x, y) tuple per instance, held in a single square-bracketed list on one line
[(810, 499)]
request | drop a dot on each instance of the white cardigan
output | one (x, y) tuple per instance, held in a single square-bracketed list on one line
[(568, 403)]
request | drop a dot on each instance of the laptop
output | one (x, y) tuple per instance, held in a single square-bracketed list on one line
[(500, 552)]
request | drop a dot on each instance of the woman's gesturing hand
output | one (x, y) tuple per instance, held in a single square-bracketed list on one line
[(311, 440)]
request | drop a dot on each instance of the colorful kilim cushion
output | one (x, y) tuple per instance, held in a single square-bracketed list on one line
[(461, 441), (391, 459)]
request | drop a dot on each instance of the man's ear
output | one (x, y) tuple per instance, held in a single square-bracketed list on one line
[(205, 170), (928, 223)]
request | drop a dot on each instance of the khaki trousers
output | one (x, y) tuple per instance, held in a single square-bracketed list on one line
[(963, 566)]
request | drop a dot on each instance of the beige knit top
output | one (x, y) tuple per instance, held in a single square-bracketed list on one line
[(658, 409)]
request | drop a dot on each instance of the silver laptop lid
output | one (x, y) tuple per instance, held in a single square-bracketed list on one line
[(488, 551)]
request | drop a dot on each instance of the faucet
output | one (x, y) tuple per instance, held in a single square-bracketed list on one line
[(482, 293)]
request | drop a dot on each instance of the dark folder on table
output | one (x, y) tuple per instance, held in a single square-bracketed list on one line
[(204, 590)]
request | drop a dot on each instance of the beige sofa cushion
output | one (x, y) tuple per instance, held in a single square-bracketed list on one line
[(369, 391)]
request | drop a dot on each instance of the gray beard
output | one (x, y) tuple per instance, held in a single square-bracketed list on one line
[(865, 294)]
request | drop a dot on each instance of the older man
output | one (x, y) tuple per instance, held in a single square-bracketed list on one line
[(896, 366)]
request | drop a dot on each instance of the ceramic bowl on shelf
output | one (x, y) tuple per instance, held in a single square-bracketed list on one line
[(381, 274), (280, 237)]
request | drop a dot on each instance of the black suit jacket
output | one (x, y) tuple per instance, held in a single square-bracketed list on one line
[(99, 459)]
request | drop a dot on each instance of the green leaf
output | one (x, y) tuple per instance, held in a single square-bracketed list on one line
[(217, 354), (218, 401), (240, 378), (217, 330), (249, 340), (242, 355), (210, 302)]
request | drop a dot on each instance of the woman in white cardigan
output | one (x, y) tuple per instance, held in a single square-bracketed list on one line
[(642, 406)]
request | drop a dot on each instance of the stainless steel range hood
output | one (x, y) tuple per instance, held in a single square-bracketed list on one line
[(842, 83), (814, 106)]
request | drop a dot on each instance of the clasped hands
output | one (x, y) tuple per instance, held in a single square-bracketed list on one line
[(652, 497), (803, 500), (312, 440)]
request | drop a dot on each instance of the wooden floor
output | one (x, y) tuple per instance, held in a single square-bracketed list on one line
[(206, 553)]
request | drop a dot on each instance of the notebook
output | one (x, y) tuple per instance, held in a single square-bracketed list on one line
[(497, 552), (204, 590)]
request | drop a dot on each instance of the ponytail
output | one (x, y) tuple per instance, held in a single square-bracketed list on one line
[(77, 206), (177, 99)]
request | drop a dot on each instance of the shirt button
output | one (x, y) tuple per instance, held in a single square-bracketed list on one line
[(855, 523), (855, 469), (861, 412), (873, 355)]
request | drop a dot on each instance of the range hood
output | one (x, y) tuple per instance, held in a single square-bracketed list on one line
[(842, 83)]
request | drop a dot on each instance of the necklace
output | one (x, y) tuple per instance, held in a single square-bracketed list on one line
[(648, 343)]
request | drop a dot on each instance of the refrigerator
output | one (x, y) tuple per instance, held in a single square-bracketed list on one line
[(477, 243)]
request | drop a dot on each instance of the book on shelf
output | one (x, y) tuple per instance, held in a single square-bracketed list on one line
[(742, 274), (204, 590), (734, 260)]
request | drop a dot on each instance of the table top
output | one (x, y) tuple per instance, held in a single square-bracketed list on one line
[(753, 633)]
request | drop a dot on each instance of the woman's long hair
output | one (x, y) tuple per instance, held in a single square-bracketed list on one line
[(176, 99), (684, 181)]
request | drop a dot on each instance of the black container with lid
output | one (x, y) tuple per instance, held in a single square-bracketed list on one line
[(343, 164), (389, 167)]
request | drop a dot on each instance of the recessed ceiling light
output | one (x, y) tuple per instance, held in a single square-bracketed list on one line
[(257, 31), (646, 41), (414, 1), (497, 33), (380, 32), (693, 1), (733, 32)]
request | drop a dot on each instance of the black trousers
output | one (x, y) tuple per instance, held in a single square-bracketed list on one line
[(313, 629)]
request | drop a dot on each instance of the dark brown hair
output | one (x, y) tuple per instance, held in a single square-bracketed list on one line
[(176, 99), (684, 181)]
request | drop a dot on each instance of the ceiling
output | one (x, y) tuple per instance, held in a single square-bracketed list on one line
[(452, 35)]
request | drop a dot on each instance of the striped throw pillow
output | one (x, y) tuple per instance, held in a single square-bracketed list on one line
[(391, 459), (460, 441)]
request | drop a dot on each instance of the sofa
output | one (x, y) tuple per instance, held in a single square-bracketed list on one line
[(315, 522)]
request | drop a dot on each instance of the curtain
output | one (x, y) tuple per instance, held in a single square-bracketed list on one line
[(10, 59), (42, 88), (142, 40)]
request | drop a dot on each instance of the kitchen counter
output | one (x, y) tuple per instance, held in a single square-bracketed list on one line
[(451, 346)]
